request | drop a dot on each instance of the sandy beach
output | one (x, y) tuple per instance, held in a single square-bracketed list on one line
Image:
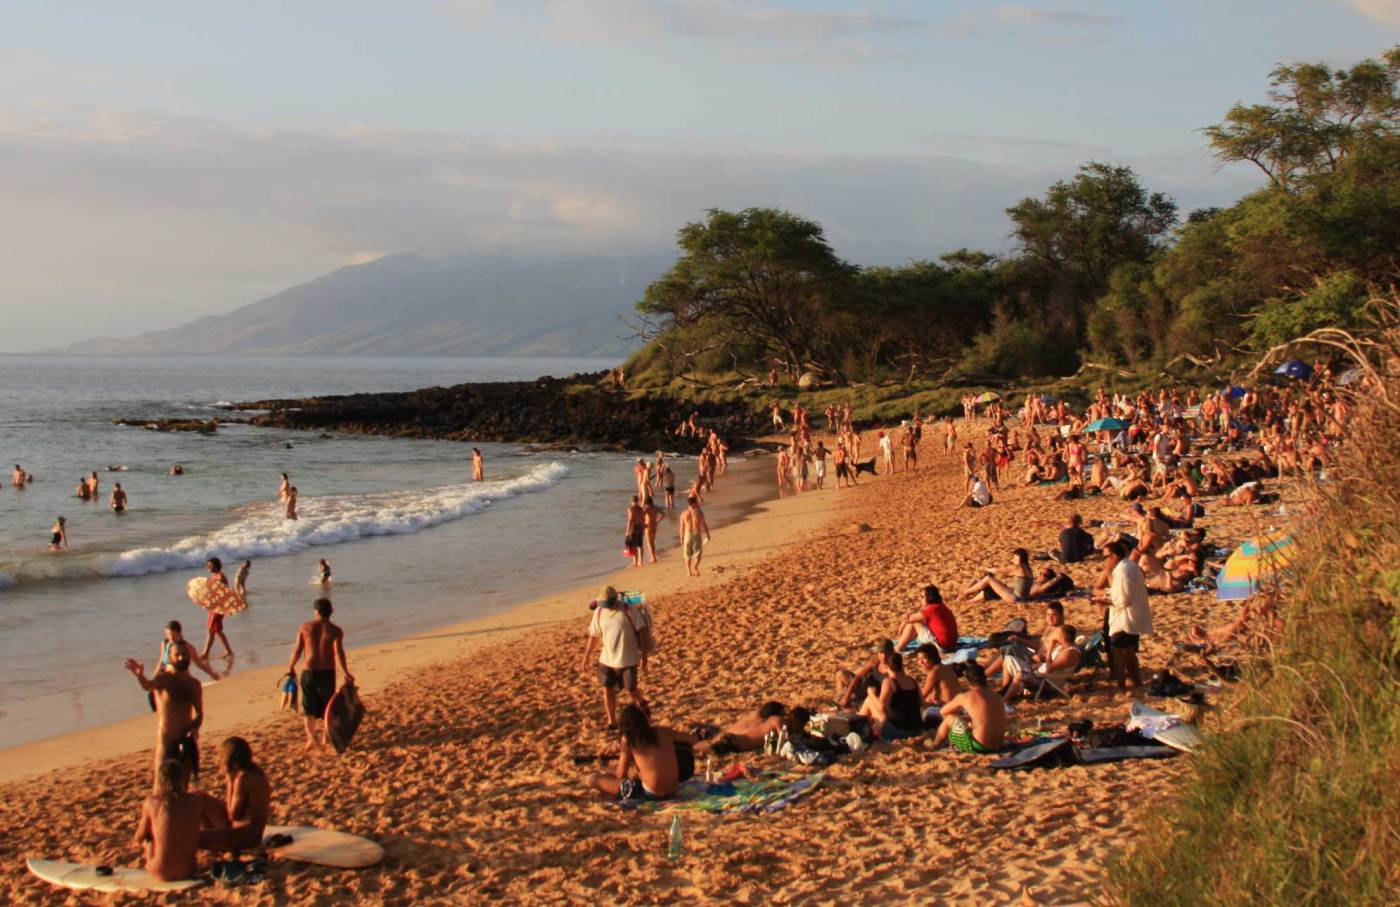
[(464, 769)]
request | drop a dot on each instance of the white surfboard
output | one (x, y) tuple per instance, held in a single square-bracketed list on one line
[(324, 847), (1181, 736), (85, 877)]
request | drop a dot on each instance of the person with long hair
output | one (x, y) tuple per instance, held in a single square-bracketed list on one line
[(236, 822), (1010, 584), (168, 833), (651, 763)]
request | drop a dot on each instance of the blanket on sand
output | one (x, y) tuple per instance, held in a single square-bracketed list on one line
[(765, 792)]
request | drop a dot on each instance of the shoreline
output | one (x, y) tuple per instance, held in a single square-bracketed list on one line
[(248, 697)]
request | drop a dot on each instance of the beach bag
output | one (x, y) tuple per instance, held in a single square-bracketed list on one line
[(646, 636)]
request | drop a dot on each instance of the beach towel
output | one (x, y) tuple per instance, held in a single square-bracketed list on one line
[(766, 792)]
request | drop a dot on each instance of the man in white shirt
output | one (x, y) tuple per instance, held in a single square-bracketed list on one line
[(887, 451), (618, 627), (1127, 613), (980, 496)]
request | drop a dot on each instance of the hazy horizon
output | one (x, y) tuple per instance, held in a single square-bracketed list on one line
[(190, 160)]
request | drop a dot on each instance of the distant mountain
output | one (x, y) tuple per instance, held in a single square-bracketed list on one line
[(407, 305)]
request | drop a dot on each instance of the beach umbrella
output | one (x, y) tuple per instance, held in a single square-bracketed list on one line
[(1251, 562), (1107, 424), (1295, 368), (988, 397), (1235, 390)]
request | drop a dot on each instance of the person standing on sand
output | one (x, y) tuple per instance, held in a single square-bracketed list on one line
[(323, 644), (1127, 615), (886, 451), (651, 518), (240, 580), (478, 466), (635, 536), (168, 833), (118, 502), (784, 467), (174, 641), (669, 478), (291, 513), (692, 526), (237, 822), (641, 477), (819, 461), (616, 627), (179, 712), (214, 624)]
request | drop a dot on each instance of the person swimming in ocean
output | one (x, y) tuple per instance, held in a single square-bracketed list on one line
[(323, 572), (240, 580), (19, 477), (283, 488), (478, 466), (58, 535), (177, 470), (118, 502), (83, 492), (291, 503), (93, 488)]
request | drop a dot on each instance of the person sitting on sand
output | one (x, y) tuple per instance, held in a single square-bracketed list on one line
[(238, 821), (616, 628), (896, 710), (323, 643), (974, 721), (652, 761), (1048, 583), (179, 700), (933, 624), (1022, 653), (168, 833), (851, 685), (1010, 584), (940, 681), (746, 735), (1075, 543), (979, 495)]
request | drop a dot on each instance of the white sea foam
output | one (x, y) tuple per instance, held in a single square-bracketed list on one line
[(265, 533)]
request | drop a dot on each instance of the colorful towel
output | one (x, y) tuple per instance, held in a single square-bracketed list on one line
[(767, 792)]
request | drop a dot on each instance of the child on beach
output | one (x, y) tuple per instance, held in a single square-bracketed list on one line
[(323, 572), (289, 692)]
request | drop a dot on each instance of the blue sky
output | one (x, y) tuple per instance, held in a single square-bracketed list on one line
[(159, 161)]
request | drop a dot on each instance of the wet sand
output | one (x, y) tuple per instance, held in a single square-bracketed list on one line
[(464, 771)]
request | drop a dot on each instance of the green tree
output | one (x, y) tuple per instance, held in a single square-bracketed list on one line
[(759, 279), (1072, 240), (1317, 118)]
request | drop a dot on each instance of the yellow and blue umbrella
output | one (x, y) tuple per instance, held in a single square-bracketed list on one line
[(1251, 562)]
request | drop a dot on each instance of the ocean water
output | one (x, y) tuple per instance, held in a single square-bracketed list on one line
[(412, 542)]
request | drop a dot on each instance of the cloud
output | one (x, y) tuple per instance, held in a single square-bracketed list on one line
[(619, 20), (1046, 23), (1386, 11), (119, 221)]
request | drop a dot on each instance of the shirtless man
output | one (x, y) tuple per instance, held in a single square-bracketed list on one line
[(692, 527), (18, 477), (93, 485), (478, 466), (323, 643), (118, 502), (652, 762), (291, 513), (746, 735), (668, 478), (168, 833), (238, 821), (940, 681), (82, 492), (651, 518), (641, 476), (973, 721), (969, 465), (179, 712)]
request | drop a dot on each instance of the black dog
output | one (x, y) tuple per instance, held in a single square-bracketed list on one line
[(866, 466)]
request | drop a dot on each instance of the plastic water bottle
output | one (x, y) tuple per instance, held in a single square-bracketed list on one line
[(674, 851)]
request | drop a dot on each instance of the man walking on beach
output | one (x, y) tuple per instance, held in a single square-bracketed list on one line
[(636, 529), (323, 643), (692, 527), (651, 518), (214, 624), (617, 627), (179, 700)]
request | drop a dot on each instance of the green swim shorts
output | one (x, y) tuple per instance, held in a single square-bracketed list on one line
[(960, 738)]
